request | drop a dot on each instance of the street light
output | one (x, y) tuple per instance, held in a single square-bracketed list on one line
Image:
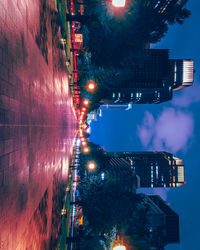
[(91, 165), (86, 150), (118, 3), (86, 102), (91, 86), (119, 247)]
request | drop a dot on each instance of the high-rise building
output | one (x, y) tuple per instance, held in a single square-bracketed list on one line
[(154, 169), (181, 73), (162, 6), (151, 78), (162, 222), (117, 170), (138, 95)]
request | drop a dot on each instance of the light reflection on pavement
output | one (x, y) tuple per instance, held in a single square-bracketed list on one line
[(37, 125)]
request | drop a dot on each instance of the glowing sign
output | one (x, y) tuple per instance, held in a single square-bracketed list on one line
[(78, 38)]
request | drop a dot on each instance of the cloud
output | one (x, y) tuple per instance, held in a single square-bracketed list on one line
[(171, 131), (146, 131), (187, 96)]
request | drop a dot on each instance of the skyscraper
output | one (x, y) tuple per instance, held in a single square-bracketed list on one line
[(117, 170), (181, 73), (154, 169), (151, 78), (162, 222), (163, 6)]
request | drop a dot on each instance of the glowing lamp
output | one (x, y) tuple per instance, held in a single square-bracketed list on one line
[(118, 3), (86, 102), (84, 109), (86, 150), (91, 86), (84, 143), (119, 247), (91, 166)]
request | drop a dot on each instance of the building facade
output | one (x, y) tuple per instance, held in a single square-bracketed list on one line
[(151, 78), (181, 73), (162, 222), (154, 169)]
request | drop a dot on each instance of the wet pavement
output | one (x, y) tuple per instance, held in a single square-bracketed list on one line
[(37, 125)]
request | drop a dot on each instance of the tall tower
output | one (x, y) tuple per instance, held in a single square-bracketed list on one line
[(181, 73), (154, 169), (150, 78), (145, 80)]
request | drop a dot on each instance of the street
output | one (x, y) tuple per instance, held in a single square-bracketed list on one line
[(37, 125)]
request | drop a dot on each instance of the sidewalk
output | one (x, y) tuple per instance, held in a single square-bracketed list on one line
[(68, 34), (68, 30), (67, 236)]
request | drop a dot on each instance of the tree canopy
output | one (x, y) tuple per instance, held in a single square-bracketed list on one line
[(113, 36)]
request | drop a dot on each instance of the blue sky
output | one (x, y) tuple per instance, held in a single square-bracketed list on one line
[(173, 126)]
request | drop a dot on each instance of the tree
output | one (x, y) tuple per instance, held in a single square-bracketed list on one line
[(103, 211), (112, 37)]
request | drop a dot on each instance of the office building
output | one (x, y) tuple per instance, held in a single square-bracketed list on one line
[(117, 170), (162, 6), (181, 73), (154, 169), (162, 222), (151, 78)]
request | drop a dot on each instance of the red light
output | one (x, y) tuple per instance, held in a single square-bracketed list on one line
[(86, 102), (91, 86), (86, 150)]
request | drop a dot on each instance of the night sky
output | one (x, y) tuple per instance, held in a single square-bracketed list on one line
[(173, 126)]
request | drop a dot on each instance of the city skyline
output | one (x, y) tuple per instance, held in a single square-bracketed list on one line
[(81, 165), (171, 126)]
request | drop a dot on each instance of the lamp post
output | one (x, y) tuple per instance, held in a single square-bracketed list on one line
[(86, 102), (86, 150), (91, 86), (119, 247), (91, 166), (118, 3)]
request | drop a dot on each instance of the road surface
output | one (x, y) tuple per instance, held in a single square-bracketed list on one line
[(37, 125)]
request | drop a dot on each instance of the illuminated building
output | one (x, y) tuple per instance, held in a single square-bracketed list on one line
[(118, 171), (181, 73), (162, 6), (145, 82), (162, 222), (151, 78), (139, 95), (154, 169)]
